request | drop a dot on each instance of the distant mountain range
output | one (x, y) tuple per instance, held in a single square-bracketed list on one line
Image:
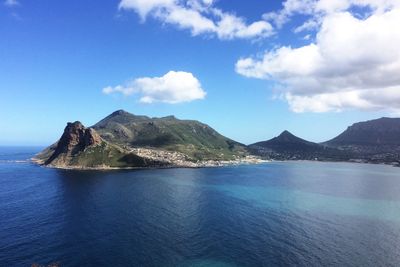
[(375, 141), (124, 140)]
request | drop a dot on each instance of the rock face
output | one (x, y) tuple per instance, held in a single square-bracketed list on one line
[(75, 139), (83, 148)]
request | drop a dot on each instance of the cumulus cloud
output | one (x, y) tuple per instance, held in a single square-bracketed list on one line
[(385, 98), (353, 62), (317, 9), (172, 88), (200, 17), (290, 7)]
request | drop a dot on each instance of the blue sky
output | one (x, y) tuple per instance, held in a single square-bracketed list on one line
[(57, 58)]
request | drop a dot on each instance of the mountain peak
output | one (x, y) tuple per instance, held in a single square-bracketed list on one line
[(287, 136), (75, 138), (120, 112), (74, 125), (287, 142), (286, 133)]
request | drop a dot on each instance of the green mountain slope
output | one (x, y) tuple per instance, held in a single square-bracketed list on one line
[(195, 139)]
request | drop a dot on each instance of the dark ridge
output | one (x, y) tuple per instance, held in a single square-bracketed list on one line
[(286, 141), (383, 131), (170, 117), (287, 146)]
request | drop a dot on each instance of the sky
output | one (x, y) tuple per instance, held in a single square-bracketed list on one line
[(249, 69)]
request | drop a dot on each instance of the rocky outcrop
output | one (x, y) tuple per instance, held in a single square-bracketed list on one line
[(75, 139)]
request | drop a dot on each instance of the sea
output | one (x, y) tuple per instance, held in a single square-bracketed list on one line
[(271, 214)]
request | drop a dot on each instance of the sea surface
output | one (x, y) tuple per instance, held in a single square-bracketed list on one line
[(272, 214)]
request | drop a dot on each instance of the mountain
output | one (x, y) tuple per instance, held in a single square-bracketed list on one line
[(288, 146), (376, 141), (286, 141), (193, 138), (383, 131), (81, 147), (124, 140)]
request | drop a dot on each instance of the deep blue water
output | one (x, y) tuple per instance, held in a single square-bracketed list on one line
[(273, 214)]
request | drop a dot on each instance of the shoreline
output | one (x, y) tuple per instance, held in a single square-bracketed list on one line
[(215, 164), (392, 164), (205, 164)]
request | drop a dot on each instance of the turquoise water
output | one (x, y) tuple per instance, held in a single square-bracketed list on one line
[(273, 214), (281, 198)]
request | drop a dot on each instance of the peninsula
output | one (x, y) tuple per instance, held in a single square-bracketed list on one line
[(124, 140)]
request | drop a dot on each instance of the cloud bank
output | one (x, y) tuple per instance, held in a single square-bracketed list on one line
[(172, 88), (354, 62), (200, 17)]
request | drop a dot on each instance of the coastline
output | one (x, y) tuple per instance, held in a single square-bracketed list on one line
[(190, 165), (205, 164), (392, 164)]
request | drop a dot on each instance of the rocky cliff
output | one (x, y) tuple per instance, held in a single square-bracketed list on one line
[(75, 139)]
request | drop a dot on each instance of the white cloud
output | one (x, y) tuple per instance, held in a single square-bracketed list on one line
[(290, 7), (174, 87), (331, 6), (371, 99), (353, 63), (11, 3), (143, 7), (317, 9), (308, 25), (200, 17)]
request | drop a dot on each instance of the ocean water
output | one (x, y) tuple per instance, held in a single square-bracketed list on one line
[(272, 214)]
